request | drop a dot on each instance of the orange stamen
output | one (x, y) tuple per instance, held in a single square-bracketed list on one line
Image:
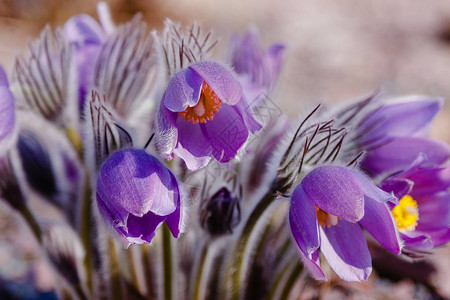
[(325, 219), (208, 105)]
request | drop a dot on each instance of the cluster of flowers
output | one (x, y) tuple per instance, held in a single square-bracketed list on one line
[(76, 109)]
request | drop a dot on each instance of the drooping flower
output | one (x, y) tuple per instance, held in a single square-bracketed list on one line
[(87, 37), (7, 114), (203, 113), (395, 134), (327, 211), (423, 212), (135, 194), (257, 69)]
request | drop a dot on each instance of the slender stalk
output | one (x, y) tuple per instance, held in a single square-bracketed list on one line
[(235, 269), (134, 273), (116, 290), (291, 280), (32, 222), (149, 278), (167, 261), (198, 278), (85, 225), (277, 281), (80, 293)]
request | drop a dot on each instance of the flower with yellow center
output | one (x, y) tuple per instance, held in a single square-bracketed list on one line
[(406, 213)]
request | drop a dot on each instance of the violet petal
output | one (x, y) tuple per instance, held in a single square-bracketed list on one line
[(182, 91), (227, 133), (303, 222), (335, 190), (193, 146), (345, 249), (220, 80), (399, 153), (379, 222)]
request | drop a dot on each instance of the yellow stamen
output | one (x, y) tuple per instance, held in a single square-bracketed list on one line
[(325, 219), (208, 105), (406, 213)]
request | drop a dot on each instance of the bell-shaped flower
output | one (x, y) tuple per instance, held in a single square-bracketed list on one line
[(257, 69), (203, 113), (423, 212), (327, 211), (7, 114), (135, 194)]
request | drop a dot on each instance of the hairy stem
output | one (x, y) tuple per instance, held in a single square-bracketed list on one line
[(235, 268), (167, 261)]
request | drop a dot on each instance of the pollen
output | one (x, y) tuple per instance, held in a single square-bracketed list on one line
[(207, 106), (406, 213), (325, 219)]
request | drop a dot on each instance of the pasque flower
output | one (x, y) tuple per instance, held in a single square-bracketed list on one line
[(87, 38), (257, 69), (135, 194), (423, 212), (327, 211), (395, 134), (203, 113)]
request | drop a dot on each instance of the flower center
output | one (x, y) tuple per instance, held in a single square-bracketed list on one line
[(325, 219), (406, 213), (205, 109)]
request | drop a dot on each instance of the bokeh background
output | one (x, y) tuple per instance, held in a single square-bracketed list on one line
[(336, 51)]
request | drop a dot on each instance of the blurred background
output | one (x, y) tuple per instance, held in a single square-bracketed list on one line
[(336, 51)]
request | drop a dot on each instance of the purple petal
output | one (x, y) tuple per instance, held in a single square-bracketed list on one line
[(399, 153), (167, 133), (182, 91), (440, 237), (379, 222), (303, 222), (401, 119), (142, 229), (246, 113), (312, 264), (345, 249), (416, 240), (274, 58), (145, 185), (335, 190), (227, 133), (173, 220), (83, 29), (398, 186), (434, 211), (193, 146), (221, 81), (430, 180), (370, 190)]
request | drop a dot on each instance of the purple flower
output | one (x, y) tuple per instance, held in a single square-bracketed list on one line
[(423, 212), (203, 113), (135, 194), (257, 69), (7, 113), (400, 152), (327, 211), (395, 134), (87, 37)]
